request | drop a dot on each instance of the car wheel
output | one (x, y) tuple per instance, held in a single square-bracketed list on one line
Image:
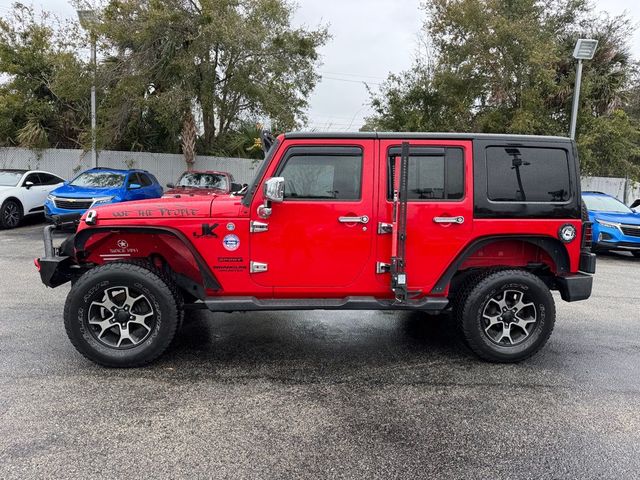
[(10, 214), (636, 253), (121, 315), (507, 316)]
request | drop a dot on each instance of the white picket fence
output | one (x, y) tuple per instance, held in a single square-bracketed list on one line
[(167, 167)]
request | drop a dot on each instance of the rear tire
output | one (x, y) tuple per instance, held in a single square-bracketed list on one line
[(507, 316), (121, 315), (10, 214)]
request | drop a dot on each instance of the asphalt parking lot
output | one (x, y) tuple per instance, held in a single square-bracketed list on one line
[(319, 394)]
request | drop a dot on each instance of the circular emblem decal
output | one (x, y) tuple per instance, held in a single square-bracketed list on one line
[(122, 244), (231, 242), (231, 226)]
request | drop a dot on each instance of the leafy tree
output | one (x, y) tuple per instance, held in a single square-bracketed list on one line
[(507, 66), (42, 95), (226, 61)]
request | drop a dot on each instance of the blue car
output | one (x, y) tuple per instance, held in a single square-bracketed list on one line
[(615, 226), (100, 186)]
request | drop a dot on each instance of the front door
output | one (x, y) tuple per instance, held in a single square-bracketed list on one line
[(319, 240), (439, 208)]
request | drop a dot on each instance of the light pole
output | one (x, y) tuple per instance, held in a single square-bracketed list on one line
[(585, 49), (87, 21)]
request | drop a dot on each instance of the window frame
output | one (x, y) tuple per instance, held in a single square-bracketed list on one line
[(319, 150), (417, 148), (35, 184), (142, 176), (53, 177), (569, 200)]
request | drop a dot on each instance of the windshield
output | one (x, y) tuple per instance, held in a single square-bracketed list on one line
[(10, 179), (605, 204), (204, 180), (99, 180)]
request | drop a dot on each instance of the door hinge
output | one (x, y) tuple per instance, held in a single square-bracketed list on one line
[(257, 267), (382, 267), (384, 228), (257, 227)]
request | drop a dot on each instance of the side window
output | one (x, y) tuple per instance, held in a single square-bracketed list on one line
[(134, 178), (322, 173), (48, 179), (434, 173), (33, 178), (146, 182), (528, 174)]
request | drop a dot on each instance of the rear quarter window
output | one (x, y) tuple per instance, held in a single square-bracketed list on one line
[(528, 174)]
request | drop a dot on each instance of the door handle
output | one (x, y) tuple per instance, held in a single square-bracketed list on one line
[(362, 219), (459, 219)]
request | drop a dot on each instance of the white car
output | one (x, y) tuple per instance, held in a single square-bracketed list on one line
[(22, 193)]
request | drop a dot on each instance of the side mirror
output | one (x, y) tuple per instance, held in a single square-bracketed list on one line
[(134, 186), (273, 192), (274, 189), (28, 185), (171, 185)]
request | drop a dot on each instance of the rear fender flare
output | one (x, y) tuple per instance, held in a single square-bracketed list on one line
[(209, 280), (552, 246)]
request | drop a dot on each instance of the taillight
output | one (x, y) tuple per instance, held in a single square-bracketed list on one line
[(36, 262), (587, 235)]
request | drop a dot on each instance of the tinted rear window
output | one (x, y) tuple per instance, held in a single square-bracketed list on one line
[(528, 174)]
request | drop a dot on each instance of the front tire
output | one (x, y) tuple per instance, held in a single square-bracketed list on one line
[(507, 316), (10, 214), (121, 315)]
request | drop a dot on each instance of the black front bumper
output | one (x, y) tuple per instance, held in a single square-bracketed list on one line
[(58, 266)]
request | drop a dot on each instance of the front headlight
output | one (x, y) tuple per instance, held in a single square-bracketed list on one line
[(608, 224), (102, 200)]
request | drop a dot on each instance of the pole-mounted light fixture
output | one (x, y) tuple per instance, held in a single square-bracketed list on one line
[(585, 50)]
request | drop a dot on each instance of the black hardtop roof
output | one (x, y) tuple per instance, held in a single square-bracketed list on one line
[(425, 136)]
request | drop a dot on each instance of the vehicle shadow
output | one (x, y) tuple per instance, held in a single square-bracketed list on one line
[(321, 344)]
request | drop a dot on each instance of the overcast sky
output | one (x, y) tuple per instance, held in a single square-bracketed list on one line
[(370, 39)]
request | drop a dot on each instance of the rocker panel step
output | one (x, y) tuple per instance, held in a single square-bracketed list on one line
[(242, 304)]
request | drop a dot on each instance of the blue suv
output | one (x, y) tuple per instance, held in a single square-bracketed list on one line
[(615, 226), (100, 186)]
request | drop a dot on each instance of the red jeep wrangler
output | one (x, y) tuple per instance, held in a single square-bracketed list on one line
[(484, 225)]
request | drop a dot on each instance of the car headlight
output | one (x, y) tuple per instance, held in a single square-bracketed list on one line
[(607, 224), (102, 200)]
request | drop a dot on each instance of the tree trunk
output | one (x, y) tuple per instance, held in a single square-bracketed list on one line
[(189, 140)]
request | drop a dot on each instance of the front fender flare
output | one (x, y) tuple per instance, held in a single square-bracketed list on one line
[(209, 280)]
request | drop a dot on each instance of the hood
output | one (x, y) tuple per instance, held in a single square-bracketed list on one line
[(627, 218), (71, 191), (169, 207), (207, 192), (5, 187)]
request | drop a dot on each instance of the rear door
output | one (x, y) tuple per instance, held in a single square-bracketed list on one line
[(319, 241), (439, 211)]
